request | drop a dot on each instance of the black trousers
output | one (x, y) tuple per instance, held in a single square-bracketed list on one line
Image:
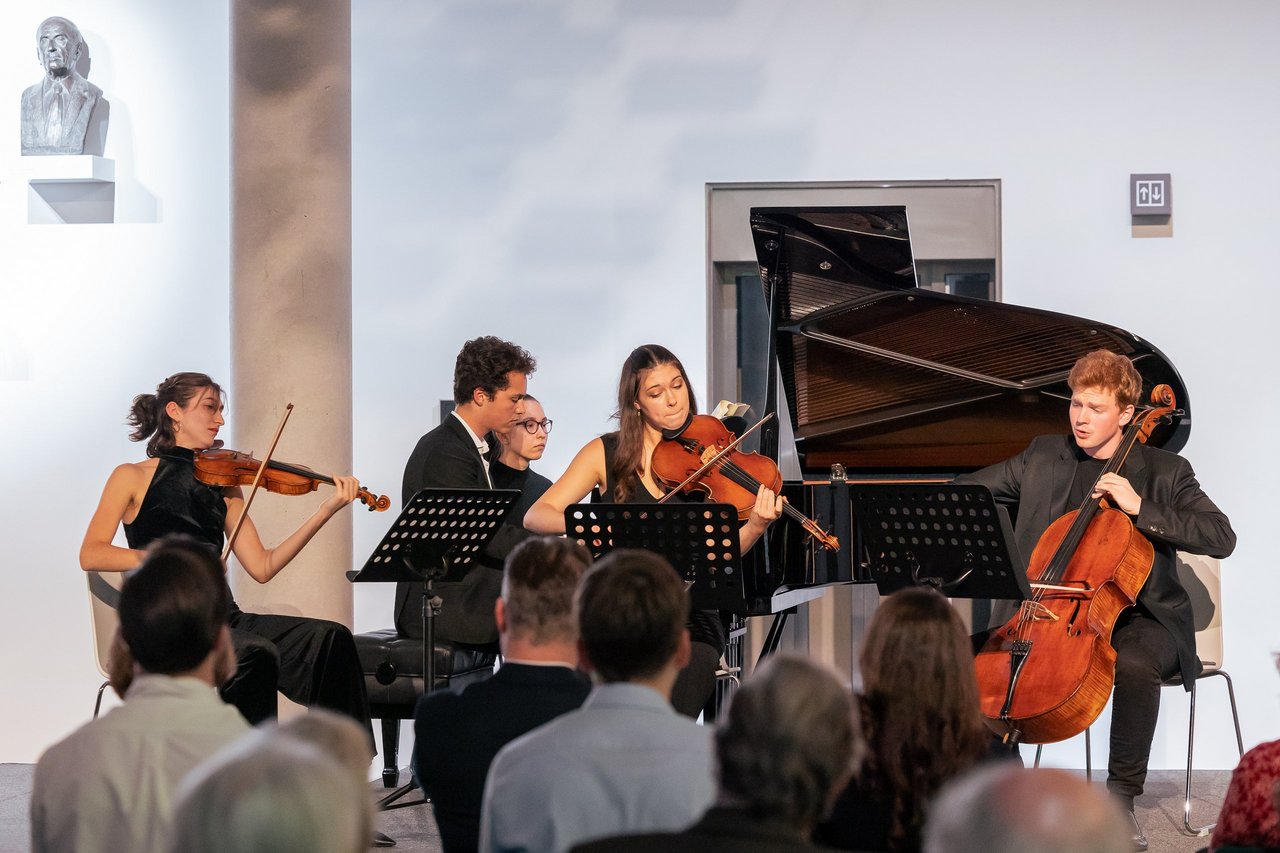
[(697, 681), (312, 661), (1145, 656)]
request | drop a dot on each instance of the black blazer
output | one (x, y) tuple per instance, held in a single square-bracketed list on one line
[(457, 736), (446, 457), (1175, 515), (719, 830)]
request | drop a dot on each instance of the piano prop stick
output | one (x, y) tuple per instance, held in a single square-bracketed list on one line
[(703, 457)]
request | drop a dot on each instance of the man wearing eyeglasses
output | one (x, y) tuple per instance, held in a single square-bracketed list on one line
[(522, 443)]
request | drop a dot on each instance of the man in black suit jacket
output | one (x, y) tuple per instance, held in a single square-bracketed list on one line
[(783, 755), (489, 382), (458, 734), (1158, 490)]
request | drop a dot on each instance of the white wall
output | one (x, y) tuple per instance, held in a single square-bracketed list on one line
[(535, 170), (97, 314)]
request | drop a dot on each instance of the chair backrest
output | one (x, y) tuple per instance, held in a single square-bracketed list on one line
[(1201, 577), (104, 596)]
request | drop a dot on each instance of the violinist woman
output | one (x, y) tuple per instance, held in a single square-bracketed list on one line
[(653, 395), (312, 661)]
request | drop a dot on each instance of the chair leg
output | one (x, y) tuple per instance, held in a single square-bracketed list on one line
[(390, 748), (97, 706), (1191, 733), (1088, 755)]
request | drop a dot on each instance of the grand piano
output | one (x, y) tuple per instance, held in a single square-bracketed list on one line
[(884, 380)]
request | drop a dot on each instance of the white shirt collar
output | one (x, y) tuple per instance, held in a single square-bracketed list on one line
[(481, 445)]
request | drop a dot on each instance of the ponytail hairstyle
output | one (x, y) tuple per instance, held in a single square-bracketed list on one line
[(630, 422), (148, 418)]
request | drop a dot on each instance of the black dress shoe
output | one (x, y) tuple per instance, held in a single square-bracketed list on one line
[(1135, 832), (381, 839)]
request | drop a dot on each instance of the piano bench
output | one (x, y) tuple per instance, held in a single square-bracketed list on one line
[(393, 679)]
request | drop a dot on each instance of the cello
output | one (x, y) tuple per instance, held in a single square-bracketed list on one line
[(1047, 673)]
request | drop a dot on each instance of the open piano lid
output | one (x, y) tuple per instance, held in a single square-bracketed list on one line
[(882, 376)]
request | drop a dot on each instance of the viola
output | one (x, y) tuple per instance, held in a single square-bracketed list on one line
[(735, 478), (225, 467), (1047, 673)]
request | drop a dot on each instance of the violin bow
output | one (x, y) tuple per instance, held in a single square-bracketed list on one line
[(253, 489), (714, 459)]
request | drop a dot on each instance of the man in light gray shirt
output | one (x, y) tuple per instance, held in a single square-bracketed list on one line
[(109, 786), (625, 761)]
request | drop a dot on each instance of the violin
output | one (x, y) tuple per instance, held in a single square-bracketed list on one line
[(735, 478), (224, 467)]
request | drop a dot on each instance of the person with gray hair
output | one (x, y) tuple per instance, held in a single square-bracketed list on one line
[(784, 752), (1007, 808), (457, 734), (293, 788), (57, 111)]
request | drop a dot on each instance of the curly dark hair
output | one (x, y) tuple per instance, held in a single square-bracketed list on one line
[(484, 363)]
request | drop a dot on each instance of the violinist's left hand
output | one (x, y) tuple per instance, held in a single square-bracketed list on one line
[(1117, 490), (767, 508), (344, 492)]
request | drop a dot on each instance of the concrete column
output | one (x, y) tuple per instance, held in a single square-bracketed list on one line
[(291, 278)]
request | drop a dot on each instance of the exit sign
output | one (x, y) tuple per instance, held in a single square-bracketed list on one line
[(1150, 195)]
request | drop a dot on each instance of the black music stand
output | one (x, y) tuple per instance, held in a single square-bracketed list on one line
[(437, 536), (954, 538), (699, 539)]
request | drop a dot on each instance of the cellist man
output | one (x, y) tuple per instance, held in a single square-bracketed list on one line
[(1155, 639)]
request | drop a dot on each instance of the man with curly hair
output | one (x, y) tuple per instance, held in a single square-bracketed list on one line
[(490, 378)]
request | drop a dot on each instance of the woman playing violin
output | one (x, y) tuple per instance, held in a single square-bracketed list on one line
[(653, 395), (312, 661)]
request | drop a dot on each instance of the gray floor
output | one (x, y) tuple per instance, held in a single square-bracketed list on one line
[(1159, 809)]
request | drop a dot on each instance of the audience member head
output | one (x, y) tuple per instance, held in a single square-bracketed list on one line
[(631, 611), (1006, 808), (538, 585), (275, 792), (787, 745), (334, 735), (173, 609), (919, 704)]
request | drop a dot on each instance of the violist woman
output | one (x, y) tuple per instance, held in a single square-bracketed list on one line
[(312, 661), (653, 394)]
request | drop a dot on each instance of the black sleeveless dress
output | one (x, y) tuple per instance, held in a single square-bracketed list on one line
[(312, 661), (705, 626)]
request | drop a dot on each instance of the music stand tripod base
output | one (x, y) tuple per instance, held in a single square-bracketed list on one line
[(438, 535)]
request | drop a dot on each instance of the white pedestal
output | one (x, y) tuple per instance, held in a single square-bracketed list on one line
[(69, 188)]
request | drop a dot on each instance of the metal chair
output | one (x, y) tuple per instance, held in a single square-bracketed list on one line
[(1202, 578), (104, 597)]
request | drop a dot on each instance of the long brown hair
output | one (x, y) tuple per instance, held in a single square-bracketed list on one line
[(148, 417), (919, 706), (629, 458)]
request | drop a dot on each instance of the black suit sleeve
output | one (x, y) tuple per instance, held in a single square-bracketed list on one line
[(1004, 479), (1188, 520)]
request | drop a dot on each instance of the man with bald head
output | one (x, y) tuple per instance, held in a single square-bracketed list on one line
[(1007, 808), (56, 112)]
